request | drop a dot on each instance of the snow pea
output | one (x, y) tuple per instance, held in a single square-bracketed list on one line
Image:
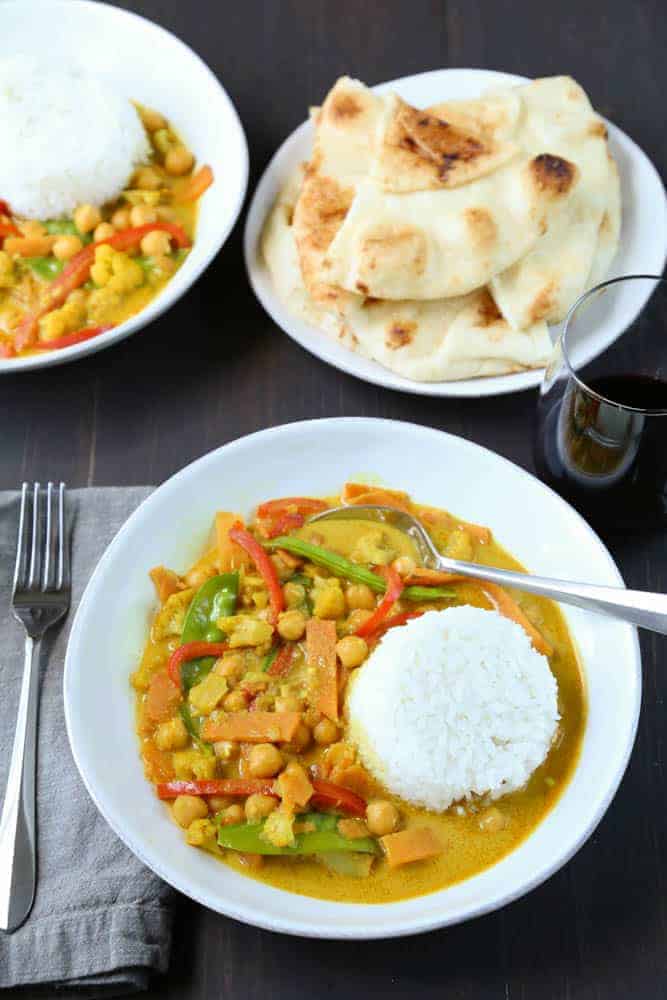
[(325, 838), (269, 658), (216, 598), (340, 566), (46, 268), (193, 727), (66, 227)]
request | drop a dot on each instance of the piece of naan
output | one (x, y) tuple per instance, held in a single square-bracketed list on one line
[(435, 244), (576, 247), (446, 339)]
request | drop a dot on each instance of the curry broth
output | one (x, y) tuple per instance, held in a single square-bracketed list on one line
[(467, 849)]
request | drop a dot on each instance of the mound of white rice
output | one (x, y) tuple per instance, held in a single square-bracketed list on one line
[(65, 139), (454, 704)]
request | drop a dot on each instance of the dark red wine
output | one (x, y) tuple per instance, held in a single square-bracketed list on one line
[(609, 462)]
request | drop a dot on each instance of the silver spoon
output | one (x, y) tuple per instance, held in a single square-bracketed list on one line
[(635, 606)]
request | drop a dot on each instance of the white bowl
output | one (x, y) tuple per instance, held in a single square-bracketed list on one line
[(316, 457), (642, 249), (152, 66)]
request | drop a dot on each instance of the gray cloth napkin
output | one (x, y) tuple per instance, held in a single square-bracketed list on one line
[(101, 921)]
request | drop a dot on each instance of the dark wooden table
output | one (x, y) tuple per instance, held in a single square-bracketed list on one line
[(216, 368)]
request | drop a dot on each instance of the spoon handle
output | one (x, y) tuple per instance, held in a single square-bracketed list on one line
[(638, 607)]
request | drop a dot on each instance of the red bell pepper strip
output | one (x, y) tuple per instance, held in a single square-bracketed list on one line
[(326, 794), (7, 350), (197, 184), (278, 517), (393, 622), (393, 592), (8, 229), (77, 272), (192, 651), (4, 207), (216, 786), (267, 570), (73, 338), (282, 662)]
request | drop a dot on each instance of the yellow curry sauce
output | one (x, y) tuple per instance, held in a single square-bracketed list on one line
[(471, 835), (66, 280)]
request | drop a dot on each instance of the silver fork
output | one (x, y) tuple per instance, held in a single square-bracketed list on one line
[(41, 597)]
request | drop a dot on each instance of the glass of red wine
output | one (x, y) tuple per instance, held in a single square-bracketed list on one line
[(601, 436)]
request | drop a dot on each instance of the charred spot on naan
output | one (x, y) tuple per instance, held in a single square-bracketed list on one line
[(400, 333), (543, 303), (599, 128), (482, 228), (349, 106), (318, 215), (488, 313), (553, 174), (344, 106)]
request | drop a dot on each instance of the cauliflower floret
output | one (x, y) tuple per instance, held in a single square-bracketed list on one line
[(67, 319), (202, 833), (328, 598), (172, 735), (206, 695), (190, 764), (115, 270), (279, 827), (375, 548), (245, 631), (6, 270), (172, 614)]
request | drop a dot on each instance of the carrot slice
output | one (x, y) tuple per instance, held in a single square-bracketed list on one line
[(422, 577), (361, 493), (166, 582), (279, 517), (410, 845), (321, 652), (432, 515), (252, 727), (162, 698), (196, 185), (508, 607), (230, 555)]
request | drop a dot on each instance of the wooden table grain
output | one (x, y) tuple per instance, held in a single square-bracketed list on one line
[(216, 368)]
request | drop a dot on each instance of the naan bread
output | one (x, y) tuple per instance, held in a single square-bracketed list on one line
[(453, 338), (495, 116), (417, 151), (436, 244), (345, 128), (609, 232), (543, 284)]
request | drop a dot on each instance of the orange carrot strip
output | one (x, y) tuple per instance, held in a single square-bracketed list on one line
[(410, 845), (162, 698), (196, 185), (166, 582), (321, 652), (422, 577), (252, 727), (508, 607), (231, 555), (361, 493)]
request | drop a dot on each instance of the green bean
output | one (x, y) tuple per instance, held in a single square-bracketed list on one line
[(340, 566)]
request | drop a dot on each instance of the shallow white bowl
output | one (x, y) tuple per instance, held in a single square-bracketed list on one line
[(316, 457), (149, 65), (642, 250)]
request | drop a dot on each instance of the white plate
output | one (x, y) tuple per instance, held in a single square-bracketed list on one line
[(149, 65), (643, 244), (316, 457)]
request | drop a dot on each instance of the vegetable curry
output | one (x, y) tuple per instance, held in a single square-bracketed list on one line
[(241, 701), (63, 281)]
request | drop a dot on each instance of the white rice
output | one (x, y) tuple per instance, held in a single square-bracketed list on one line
[(66, 139), (454, 704)]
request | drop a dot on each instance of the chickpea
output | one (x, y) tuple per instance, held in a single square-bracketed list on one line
[(147, 179), (235, 701), (382, 817), (142, 215), (352, 650), (234, 814), (231, 667), (288, 703), (178, 161), (152, 120), (217, 803), (301, 738), (359, 595), (171, 735), (86, 218), (404, 565), (294, 594), (264, 761), (155, 244), (356, 618), (65, 247), (291, 624), (325, 732), (312, 716), (121, 218), (103, 232), (257, 807), (187, 808)]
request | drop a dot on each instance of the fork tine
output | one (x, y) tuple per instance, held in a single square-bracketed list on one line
[(20, 569), (50, 539), (64, 572), (36, 544)]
